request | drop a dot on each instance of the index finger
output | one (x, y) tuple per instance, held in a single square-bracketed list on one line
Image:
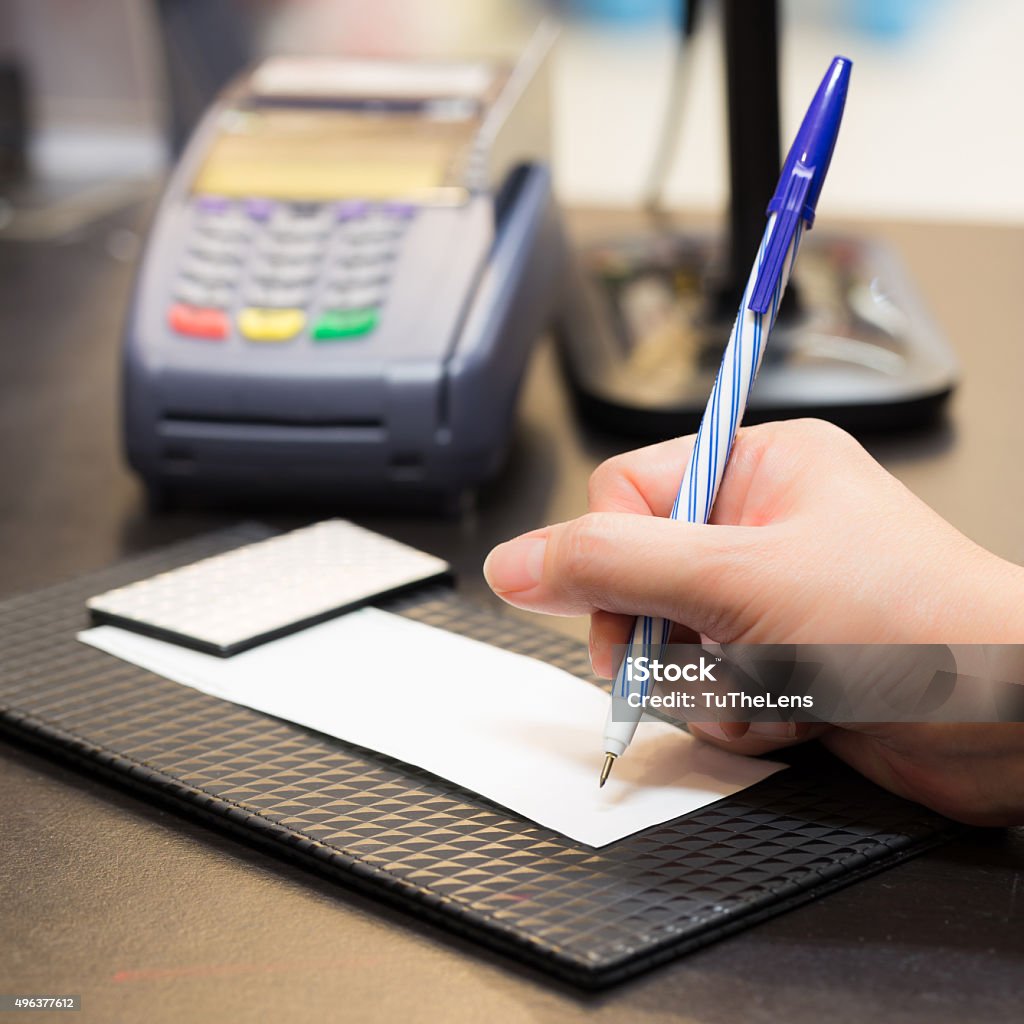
[(644, 481)]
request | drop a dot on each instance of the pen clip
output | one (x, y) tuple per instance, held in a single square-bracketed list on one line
[(787, 219)]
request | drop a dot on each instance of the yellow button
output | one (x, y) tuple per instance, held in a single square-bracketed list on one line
[(270, 324)]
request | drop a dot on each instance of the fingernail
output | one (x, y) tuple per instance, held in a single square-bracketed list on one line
[(773, 730), (517, 564)]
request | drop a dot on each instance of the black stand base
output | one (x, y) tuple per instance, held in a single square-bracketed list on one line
[(644, 338)]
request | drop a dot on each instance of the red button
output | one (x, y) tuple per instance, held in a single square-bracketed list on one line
[(198, 322)]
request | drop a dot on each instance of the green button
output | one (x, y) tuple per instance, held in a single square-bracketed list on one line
[(345, 323)]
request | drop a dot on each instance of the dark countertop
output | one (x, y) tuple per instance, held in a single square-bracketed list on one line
[(153, 918)]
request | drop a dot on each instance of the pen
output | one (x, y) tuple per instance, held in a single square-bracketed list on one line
[(790, 210)]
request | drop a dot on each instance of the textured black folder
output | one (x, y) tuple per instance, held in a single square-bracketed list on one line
[(592, 917)]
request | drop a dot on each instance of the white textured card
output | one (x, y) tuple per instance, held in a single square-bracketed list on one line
[(233, 600), (515, 730)]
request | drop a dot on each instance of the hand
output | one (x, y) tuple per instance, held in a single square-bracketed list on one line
[(811, 541)]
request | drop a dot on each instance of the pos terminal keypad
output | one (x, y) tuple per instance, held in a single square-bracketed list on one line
[(272, 272)]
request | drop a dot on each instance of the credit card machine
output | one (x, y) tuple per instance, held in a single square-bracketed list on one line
[(344, 280)]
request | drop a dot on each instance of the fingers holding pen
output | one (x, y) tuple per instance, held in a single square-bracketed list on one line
[(608, 629), (644, 481), (765, 463)]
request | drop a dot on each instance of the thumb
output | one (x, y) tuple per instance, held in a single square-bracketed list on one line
[(702, 576)]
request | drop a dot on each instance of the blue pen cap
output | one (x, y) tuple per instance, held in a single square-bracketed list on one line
[(800, 183), (814, 142)]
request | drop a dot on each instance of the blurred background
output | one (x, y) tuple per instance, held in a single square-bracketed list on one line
[(93, 104)]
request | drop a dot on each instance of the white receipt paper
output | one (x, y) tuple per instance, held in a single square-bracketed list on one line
[(517, 731)]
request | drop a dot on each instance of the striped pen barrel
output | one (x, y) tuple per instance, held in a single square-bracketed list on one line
[(790, 211)]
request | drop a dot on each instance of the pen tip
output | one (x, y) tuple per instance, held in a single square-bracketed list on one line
[(609, 760)]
